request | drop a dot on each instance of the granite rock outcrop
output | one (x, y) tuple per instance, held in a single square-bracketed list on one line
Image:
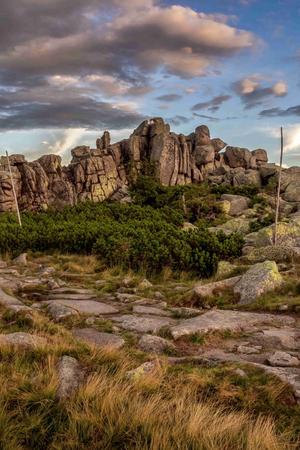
[(100, 173)]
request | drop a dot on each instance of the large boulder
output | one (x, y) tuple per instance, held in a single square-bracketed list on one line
[(292, 192), (288, 234), (238, 203), (238, 157), (259, 279)]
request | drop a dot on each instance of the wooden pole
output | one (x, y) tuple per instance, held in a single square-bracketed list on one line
[(14, 191), (278, 188)]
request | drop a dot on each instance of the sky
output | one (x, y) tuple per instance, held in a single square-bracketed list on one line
[(70, 69)]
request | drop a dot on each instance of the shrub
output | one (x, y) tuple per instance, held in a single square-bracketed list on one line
[(131, 236)]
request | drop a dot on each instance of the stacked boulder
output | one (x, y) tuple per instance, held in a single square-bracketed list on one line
[(103, 172)]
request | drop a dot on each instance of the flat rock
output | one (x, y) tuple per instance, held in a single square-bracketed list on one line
[(99, 339), (70, 376), (235, 321), (185, 313), (11, 302), (287, 338), (59, 312), (283, 359), (143, 324), (259, 279), (22, 340), (150, 310), (203, 291), (81, 297), (155, 344), (249, 349), (85, 307), (71, 290)]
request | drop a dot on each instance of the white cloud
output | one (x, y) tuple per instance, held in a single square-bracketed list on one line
[(68, 140)]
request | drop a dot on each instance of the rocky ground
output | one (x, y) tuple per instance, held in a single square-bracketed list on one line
[(177, 322)]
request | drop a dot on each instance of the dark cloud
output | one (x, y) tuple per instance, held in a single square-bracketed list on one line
[(253, 93), (89, 51), (279, 112), (169, 98), (212, 105), (178, 120), (73, 111), (204, 116)]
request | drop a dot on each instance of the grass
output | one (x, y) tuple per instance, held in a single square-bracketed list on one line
[(180, 407)]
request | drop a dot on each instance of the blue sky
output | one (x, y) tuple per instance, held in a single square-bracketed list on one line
[(70, 69)]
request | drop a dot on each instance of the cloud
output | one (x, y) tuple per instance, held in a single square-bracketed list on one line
[(178, 120), (212, 105), (52, 109), (75, 63), (169, 98), (204, 116), (291, 137), (279, 112), (253, 93), (68, 140)]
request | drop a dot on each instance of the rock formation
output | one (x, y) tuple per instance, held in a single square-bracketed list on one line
[(103, 172)]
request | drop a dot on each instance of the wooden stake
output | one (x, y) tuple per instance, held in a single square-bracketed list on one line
[(14, 191), (278, 188)]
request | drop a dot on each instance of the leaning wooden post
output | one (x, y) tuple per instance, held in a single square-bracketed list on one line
[(278, 189), (14, 191)]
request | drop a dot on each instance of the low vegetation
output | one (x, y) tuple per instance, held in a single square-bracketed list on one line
[(183, 407), (146, 235)]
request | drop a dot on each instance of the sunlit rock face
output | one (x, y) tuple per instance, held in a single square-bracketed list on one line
[(99, 173)]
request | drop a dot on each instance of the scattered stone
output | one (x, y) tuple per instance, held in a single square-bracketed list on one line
[(278, 253), (21, 260), (155, 344), (158, 295), (60, 312), (145, 284), (150, 310), (202, 291), (259, 279), (235, 321), (249, 350), (77, 297), (236, 225), (126, 297), (240, 373), (187, 226), (99, 339), (238, 203), (52, 285), (20, 339), (11, 302), (70, 376), (283, 359), (90, 307), (145, 369), (185, 313), (288, 338), (143, 324), (46, 271)]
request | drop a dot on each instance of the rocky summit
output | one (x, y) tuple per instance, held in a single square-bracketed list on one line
[(106, 171)]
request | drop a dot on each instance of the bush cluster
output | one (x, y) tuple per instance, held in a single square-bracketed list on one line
[(134, 236)]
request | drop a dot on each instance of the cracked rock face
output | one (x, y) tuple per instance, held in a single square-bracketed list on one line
[(99, 173)]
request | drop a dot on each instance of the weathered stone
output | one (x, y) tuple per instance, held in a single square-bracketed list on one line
[(292, 192), (278, 253), (143, 324), (145, 369), (150, 310), (155, 344), (259, 279), (235, 321), (20, 339), (99, 339), (283, 359), (21, 260), (249, 349), (202, 291), (288, 234), (106, 171), (70, 376), (82, 307), (238, 203), (11, 302), (145, 284)]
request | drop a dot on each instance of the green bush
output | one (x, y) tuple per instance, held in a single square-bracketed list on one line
[(128, 235)]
